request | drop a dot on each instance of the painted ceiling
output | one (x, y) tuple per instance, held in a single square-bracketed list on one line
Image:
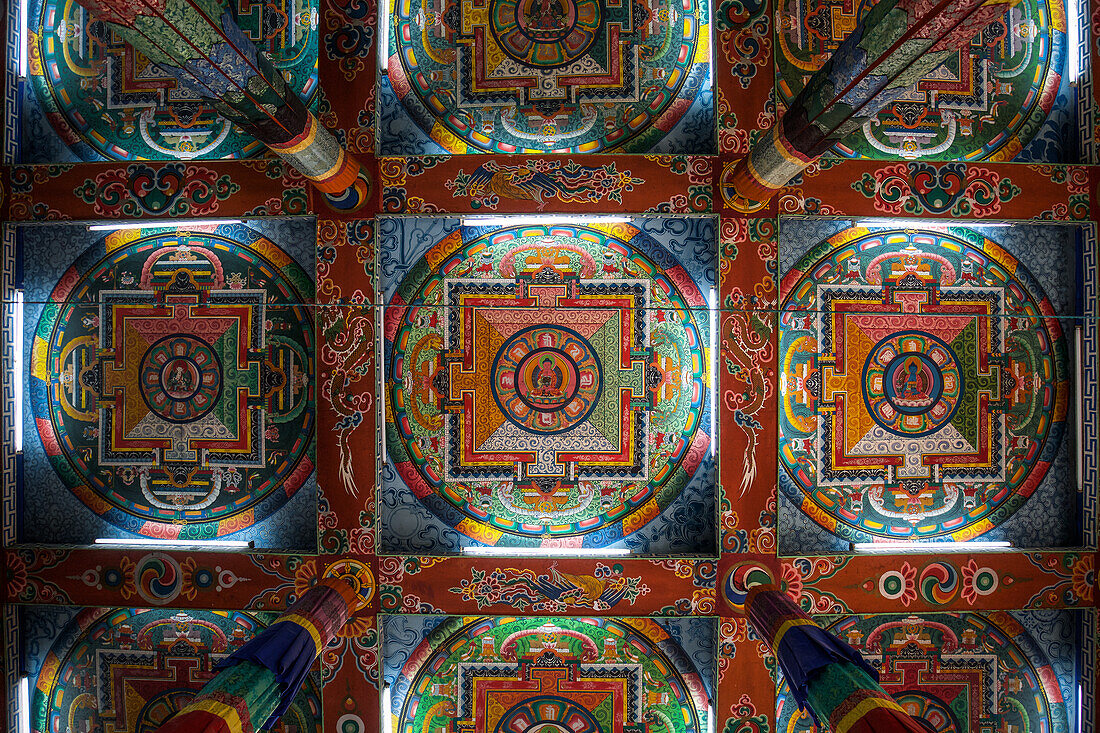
[(548, 331)]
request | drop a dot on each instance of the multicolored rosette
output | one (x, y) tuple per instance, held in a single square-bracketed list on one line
[(258, 682), (740, 579)]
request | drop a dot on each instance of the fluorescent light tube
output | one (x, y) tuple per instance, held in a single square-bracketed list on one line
[(926, 223), (544, 551), (17, 368), (547, 219), (383, 35), (1079, 399), (176, 544), (170, 223), (887, 547), (1073, 40), (387, 709), (24, 709), (24, 37)]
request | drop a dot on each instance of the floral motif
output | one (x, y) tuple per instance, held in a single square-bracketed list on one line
[(1076, 579), (357, 640), (174, 189), (759, 539), (800, 577), (745, 719), (980, 581), (896, 585), (744, 31), (292, 574), (703, 573), (795, 202), (954, 189), (23, 581)]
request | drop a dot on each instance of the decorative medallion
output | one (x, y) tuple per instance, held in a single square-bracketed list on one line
[(172, 380), (546, 379), (911, 383), (550, 675), (986, 103), (128, 670), (548, 76), (958, 671), (356, 574), (545, 33), (545, 382), (109, 102), (924, 387)]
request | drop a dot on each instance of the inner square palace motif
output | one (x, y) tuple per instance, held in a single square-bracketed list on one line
[(172, 386), (925, 386), (548, 384)]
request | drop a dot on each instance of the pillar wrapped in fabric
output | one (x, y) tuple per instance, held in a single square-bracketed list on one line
[(827, 677), (200, 45), (896, 44), (258, 682)]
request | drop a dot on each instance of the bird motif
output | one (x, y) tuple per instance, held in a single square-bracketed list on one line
[(586, 591), (513, 182)]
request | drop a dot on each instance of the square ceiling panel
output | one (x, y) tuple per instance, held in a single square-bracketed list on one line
[(170, 389), (548, 385), (926, 384)]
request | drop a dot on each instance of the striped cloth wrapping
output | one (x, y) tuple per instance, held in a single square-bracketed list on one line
[(201, 46), (258, 682), (827, 677), (895, 45), (229, 702), (289, 646)]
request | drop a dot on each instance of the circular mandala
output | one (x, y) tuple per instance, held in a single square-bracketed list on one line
[(545, 33), (546, 379), (168, 368), (570, 397), (108, 102), (160, 658), (548, 76), (550, 675), (181, 378), (548, 714), (930, 709), (986, 104), (956, 671), (911, 383), (924, 384)]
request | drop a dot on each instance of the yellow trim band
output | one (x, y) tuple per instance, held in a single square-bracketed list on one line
[(787, 626), (228, 713), (306, 624), (853, 716), (292, 147), (331, 172)]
